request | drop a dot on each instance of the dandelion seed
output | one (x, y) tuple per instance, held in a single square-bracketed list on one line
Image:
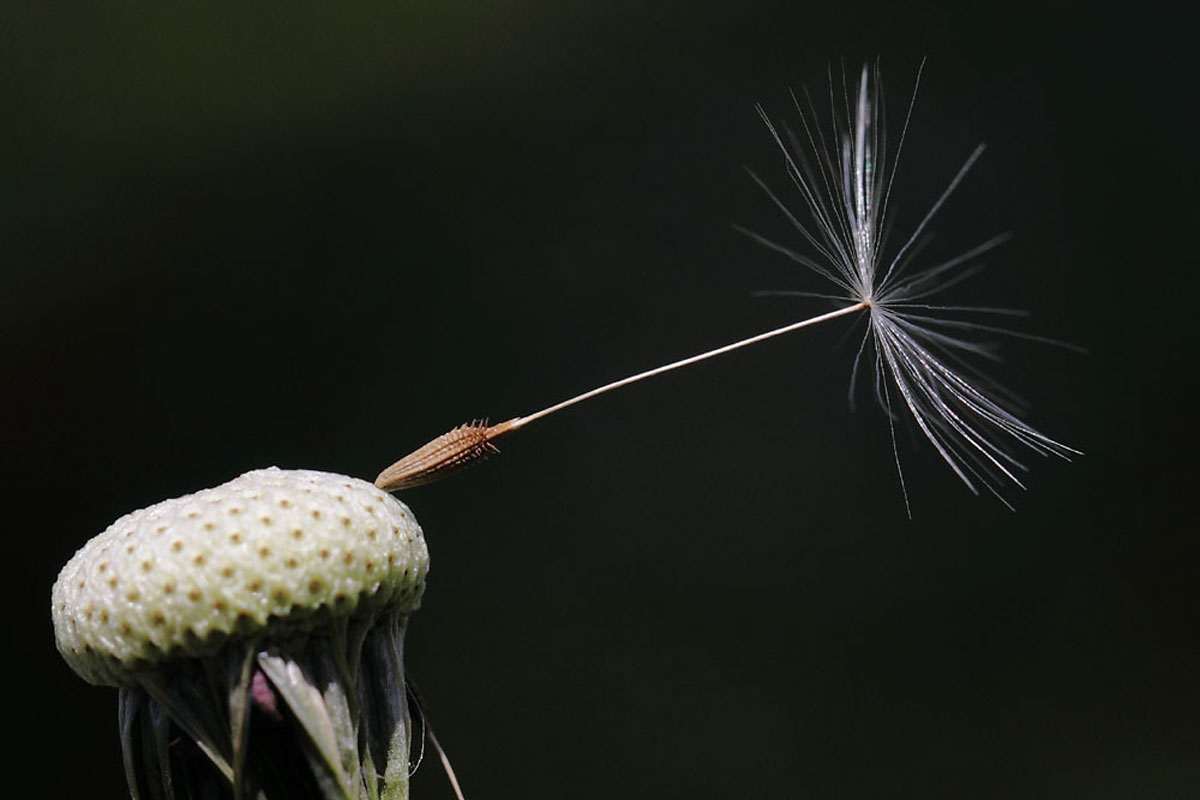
[(845, 178)]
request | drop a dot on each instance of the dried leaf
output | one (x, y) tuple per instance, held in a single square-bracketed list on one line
[(189, 716), (306, 703)]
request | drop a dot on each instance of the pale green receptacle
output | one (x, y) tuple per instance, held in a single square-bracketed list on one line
[(277, 601)]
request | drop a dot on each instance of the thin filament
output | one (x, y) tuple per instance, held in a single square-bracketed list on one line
[(683, 362)]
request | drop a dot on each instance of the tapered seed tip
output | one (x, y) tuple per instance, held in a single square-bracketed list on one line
[(445, 455)]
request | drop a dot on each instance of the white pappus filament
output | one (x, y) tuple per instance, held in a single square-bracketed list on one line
[(921, 356)]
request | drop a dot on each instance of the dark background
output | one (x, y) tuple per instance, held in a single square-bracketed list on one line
[(319, 235)]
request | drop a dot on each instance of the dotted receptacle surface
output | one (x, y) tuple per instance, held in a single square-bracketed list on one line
[(270, 548)]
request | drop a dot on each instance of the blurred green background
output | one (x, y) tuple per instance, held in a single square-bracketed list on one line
[(317, 235)]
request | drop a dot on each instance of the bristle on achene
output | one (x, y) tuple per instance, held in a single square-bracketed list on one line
[(444, 455)]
